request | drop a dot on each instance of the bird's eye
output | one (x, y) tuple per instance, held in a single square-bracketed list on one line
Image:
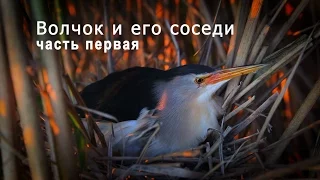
[(199, 80)]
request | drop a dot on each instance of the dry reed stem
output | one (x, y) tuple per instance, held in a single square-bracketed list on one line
[(146, 146), (212, 170), (301, 131), (175, 43), (195, 152), (106, 18), (99, 113), (166, 171), (258, 43), (283, 90), (221, 155), (280, 172), (247, 36), (286, 57), (207, 145), (213, 148), (296, 121), (119, 172), (192, 13), (229, 97), (68, 66), (259, 28), (86, 176), (259, 160), (237, 141), (48, 111), (109, 163), (72, 113), (80, 101), (232, 43), (234, 154), (287, 25), (238, 109), (244, 47), (50, 68), (152, 13), (251, 110), (194, 10), (253, 147), (13, 150), (91, 124), (8, 117), (258, 60), (207, 45), (241, 126), (24, 94), (148, 160), (275, 85), (239, 25)]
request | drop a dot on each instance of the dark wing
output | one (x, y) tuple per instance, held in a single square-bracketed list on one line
[(123, 94)]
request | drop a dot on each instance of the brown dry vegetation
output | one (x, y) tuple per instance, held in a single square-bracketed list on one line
[(42, 136)]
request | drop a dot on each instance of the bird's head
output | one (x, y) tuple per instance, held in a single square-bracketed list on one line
[(200, 87)]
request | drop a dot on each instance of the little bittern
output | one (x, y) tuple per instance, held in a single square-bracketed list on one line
[(185, 103)]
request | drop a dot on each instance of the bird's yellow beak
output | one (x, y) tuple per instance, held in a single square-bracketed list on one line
[(230, 73)]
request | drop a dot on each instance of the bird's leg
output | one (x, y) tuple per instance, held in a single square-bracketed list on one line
[(217, 103)]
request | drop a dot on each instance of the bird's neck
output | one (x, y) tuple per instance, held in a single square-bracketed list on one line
[(192, 116)]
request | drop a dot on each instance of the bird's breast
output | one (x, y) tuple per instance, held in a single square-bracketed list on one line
[(185, 129)]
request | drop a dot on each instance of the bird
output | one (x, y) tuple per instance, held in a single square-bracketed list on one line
[(184, 101)]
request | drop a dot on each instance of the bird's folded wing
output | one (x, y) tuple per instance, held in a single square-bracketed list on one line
[(122, 130), (131, 128)]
